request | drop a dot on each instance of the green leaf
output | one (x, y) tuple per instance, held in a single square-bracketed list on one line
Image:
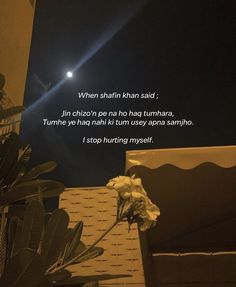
[(24, 269), (18, 230), (48, 188), (16, 210), (70, 234), (26, 256), (6, 113), (85, 279), (19, 166), (9, 156), (38, 170), (74, 243), (11, 272), (32, 273), (91, 254), (12, 227), (67, 238), (59, 276), (54, 237), (19, 192), (10, 237), (32, 226), (79, 249)]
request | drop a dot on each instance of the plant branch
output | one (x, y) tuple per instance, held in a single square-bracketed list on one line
[(73, 260)]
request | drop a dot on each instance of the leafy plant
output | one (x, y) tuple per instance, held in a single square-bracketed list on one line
[(36, 247), (36, 250)]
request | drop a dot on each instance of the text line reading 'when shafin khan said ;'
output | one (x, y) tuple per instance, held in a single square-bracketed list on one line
[(115, 95)]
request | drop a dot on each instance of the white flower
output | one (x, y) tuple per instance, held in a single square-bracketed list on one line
[(148, 214), (133, 202), (127, 187)]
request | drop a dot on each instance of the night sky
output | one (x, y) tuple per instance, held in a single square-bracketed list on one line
[(183, 49)]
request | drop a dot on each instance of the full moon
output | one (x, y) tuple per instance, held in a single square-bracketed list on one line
[(69, 74)]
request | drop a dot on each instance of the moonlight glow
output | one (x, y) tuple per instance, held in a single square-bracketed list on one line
[(69, 74)]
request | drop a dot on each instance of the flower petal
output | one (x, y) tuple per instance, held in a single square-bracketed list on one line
[(124, 194), (137, 195)]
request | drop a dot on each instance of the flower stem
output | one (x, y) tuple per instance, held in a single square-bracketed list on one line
[(122, 208), (73, 260)]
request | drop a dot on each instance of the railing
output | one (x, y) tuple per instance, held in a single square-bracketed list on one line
[(5, 127)]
